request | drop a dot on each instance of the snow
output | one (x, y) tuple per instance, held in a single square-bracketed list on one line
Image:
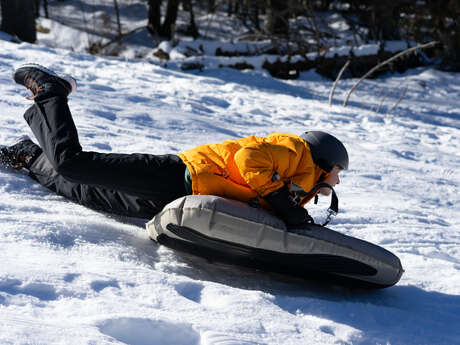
[(70, 275), (63, 36)]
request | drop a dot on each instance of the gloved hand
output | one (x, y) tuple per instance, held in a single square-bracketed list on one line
[(287, 209)]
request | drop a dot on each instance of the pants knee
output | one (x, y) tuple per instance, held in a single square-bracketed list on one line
[(70, 169)]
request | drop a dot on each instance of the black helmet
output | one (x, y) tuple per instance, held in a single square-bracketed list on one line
[(326, 150)]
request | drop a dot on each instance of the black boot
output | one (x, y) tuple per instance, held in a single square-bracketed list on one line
[(42, 82), (20, 155)]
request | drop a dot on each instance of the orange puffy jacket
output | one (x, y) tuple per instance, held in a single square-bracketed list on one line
[(246, 168)]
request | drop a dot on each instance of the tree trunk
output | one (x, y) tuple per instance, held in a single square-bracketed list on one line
[(230, 7), (45, 6), (167, 28), (236, 7), (446, 28), (384, 20), (254, 13), (192, 29), (154, 17), (18, 18), (37, 8), (277, 18), (117, 15), (211, 6)]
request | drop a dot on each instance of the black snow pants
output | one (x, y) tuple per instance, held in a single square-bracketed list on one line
[(134, 185)]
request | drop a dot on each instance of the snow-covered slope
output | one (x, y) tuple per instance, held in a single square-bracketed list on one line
[(69, 275)]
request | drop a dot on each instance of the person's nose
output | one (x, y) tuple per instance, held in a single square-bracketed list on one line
[(336, 181)]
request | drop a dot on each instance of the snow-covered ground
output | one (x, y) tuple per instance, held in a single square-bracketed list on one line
[(69, 275)]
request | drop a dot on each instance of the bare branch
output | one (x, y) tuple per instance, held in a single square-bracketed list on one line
[(399, 101), (387, 94), (380, 94), (407, 51), (331, 94)]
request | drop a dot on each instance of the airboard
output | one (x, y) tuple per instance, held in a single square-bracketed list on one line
[(226, 229)]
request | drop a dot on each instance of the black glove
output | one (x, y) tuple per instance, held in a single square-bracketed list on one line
[(287, 209)]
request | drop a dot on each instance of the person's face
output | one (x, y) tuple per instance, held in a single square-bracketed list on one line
[(333, 180)]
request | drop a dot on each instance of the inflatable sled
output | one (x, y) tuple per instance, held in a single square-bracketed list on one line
[(232, 231)]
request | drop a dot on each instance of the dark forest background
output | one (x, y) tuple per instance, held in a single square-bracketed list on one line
[(278, 21)]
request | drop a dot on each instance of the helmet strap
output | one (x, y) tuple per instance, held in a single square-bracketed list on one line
[(333, 207)]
